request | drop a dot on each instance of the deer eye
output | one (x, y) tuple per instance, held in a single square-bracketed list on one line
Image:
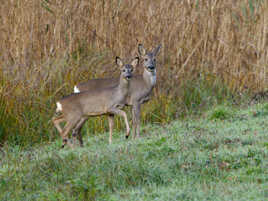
[(124, 70), (145, 59)]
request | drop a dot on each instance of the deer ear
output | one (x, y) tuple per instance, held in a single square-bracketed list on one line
[(156, 50), (135, 62), (118, 62), (141, 50)]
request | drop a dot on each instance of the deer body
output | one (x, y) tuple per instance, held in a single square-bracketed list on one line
[(96, 84), (85, 103), (77, 107), (140, 87)]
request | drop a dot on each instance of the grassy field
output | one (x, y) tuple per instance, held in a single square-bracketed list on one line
[(203, 139), (221, 155)]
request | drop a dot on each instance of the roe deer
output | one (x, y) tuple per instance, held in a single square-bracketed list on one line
[(76, 108), (141, 86)]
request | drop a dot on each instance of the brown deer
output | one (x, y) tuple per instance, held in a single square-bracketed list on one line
[(78, 107), (141, 86)]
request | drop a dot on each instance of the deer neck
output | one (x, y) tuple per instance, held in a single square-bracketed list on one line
[(149, 78)]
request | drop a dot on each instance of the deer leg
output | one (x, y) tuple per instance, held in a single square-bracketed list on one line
[(80, 138), (124, 115), (64, 134), (77, 130), (56, 121), (134, 124), (111, 125), (137, 116)]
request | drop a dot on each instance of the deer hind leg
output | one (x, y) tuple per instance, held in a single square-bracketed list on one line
[(56, 121), (124, 115), (111, 125), (64, 134), (77, 130)]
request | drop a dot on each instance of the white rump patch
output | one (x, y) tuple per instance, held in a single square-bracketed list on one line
[(59, 107), (76, 90)]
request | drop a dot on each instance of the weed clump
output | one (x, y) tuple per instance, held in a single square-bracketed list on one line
[(221, 113)]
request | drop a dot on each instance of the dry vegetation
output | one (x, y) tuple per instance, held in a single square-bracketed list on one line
[(47, 46)]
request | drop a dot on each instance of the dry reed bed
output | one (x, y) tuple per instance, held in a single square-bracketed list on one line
[(224, 37), (47, 46)]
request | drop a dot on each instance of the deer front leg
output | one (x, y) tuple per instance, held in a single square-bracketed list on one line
[(134, 124), (136, 116), (124, 115), (111, 125)]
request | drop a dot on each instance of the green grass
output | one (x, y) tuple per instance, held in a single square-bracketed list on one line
[(194, 159)]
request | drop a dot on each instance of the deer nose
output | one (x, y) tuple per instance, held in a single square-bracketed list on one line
[(151, 67), (128, 77)]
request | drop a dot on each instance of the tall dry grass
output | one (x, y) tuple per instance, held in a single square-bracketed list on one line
[(46, 46)]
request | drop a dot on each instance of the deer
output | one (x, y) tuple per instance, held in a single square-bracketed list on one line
[(140, 90), (76, 108)]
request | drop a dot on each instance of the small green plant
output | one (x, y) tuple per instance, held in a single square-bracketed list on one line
[(221, 113)]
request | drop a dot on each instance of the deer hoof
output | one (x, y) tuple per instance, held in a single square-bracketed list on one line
[(127, 136), (64, 142)]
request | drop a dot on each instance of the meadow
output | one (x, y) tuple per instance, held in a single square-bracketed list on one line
[(221, 156)]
